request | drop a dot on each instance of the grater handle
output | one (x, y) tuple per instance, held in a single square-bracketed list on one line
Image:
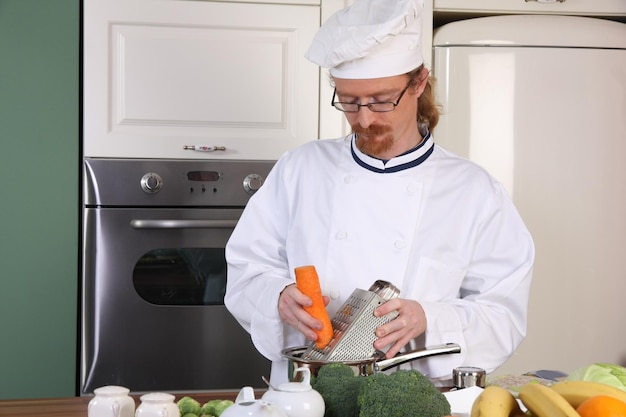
[(416, 354)]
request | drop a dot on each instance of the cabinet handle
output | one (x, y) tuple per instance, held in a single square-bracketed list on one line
[(204, 148), (182, 224), (546, 1)]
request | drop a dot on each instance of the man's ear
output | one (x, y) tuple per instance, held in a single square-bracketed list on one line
[(422, 80)]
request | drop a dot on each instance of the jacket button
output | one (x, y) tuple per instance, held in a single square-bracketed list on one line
[(341, 235), (334, 294), (400, 244)]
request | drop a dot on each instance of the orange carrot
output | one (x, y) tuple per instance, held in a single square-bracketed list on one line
[(308, 283)]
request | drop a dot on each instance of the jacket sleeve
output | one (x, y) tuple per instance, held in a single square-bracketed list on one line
[(258, 270), (488, 317)]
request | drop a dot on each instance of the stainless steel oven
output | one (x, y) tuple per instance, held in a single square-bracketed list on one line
[(154, 275)]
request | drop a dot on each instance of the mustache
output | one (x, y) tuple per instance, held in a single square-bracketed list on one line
[(371, 130)]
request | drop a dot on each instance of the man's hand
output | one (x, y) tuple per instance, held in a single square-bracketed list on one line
[(410, 323), (291, 305)]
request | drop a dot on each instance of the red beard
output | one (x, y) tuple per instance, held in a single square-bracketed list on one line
[(374, 140)]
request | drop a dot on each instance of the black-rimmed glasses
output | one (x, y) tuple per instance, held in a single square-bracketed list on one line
[(382, 106)]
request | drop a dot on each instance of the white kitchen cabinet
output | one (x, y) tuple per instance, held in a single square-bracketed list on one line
[(301, 2), (562, 7), (447, 11), (440, 12), (162, 74)]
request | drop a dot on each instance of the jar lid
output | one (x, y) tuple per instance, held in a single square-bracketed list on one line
[(157, 397), (111, 390), (468, 376)]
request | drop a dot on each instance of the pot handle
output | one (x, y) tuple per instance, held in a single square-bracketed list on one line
[(397, 360)]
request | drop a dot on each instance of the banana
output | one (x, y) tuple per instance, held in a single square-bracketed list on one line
[(495, 401), (543, 401), (576, 392)]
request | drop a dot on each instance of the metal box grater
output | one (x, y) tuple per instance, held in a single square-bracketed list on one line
[(354, 325)]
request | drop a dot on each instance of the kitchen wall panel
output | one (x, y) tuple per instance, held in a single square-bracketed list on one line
[(39, 163)]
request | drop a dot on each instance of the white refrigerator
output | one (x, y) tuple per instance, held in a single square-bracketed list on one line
[(540, 102)]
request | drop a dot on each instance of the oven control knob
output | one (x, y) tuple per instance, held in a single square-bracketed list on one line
[(252, 183), (151, 183)]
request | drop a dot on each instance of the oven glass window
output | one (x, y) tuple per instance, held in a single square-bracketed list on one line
[(181, 276)]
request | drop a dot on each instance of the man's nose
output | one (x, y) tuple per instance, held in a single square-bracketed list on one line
[(365, 117)]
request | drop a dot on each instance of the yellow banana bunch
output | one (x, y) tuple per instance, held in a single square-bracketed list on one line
[(561, 399), (576, 392), (495, 401), (543, 401)]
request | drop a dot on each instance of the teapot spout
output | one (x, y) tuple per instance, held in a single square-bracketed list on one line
[(246, 395)]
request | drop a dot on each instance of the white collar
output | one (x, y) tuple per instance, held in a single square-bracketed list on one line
[(401, 162)]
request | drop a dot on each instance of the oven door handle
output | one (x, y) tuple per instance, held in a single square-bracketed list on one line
[(182, 224)]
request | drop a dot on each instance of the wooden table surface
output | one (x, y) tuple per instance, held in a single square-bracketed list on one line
[(77, 406)]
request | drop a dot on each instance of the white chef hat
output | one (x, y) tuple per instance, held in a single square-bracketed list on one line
[(370, 39)]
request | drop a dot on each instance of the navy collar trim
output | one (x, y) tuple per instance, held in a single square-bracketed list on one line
[(413, 157)]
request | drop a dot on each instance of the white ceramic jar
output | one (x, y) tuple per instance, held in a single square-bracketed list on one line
[(111, 401), (298, 399), (157, 404)]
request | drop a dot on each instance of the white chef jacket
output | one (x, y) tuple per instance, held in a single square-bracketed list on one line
[(437, 226)]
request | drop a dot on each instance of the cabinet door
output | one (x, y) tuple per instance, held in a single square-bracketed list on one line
[(162, 74), (574, 7)]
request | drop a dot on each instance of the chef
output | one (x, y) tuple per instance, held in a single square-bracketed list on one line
[(385, 202)]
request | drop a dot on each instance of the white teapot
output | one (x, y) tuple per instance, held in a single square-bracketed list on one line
[(246, 405), (298, 399)]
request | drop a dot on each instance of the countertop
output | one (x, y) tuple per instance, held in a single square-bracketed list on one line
[(77, 406)]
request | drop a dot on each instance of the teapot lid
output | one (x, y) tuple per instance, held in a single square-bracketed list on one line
[(304, 385), (246, 405), (294, 387)]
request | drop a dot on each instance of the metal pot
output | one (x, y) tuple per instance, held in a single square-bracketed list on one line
[(367, 366)]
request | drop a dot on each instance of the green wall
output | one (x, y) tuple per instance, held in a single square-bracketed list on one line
[(39, 197)]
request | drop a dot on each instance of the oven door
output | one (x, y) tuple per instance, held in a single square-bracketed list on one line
[(153, 312)]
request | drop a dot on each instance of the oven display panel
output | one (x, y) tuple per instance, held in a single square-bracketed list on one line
[(204, 176)]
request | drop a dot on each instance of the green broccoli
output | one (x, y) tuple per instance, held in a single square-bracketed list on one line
[(339, 388), (404, 393), (188, 405), (215, 408)]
